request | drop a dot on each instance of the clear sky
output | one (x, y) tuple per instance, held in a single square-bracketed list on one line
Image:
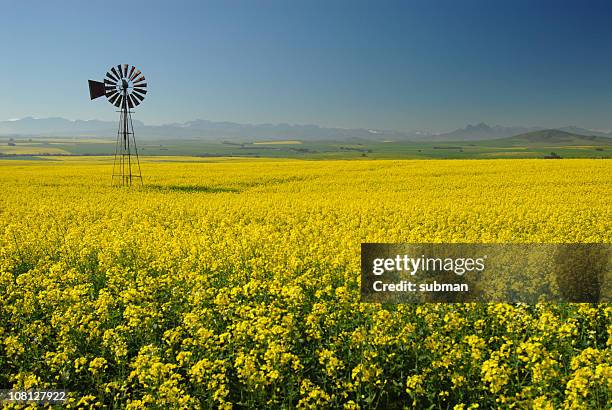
[(433, 65)]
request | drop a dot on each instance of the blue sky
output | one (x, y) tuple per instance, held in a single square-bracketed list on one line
[(434, 65)]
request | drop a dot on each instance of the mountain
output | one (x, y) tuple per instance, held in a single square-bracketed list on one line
[(30, 126), (480, 132), (552, 138), (231, 130), (583, 131), (223, 130), (203, 129)]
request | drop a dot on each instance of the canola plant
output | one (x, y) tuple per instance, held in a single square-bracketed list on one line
[(235, 283)]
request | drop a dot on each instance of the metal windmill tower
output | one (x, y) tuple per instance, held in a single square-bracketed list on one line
[(124, 86)]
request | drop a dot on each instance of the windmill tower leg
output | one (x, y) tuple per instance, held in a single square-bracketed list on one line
[(118, 168), (137, 173), (127, 174), (121, 165)]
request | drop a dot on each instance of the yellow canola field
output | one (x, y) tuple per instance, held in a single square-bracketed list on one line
[(235, 283)]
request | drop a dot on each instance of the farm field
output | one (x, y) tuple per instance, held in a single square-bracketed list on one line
[(234, 282), (523, 147)]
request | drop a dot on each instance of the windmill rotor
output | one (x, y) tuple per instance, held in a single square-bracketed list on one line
[(124, 86)]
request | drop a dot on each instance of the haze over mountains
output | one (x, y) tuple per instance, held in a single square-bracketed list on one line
[(212, 130), (550, 138)]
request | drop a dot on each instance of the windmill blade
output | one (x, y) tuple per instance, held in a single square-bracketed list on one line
[(111, 76), (131, 72), (96, 89), (119, 69), (114, 98), (118, 101), (142, 85), (136, 74), (140, 97), (116, 74), (142, 91), (129, 101), (125, 70), (139, 79), (110, 83)]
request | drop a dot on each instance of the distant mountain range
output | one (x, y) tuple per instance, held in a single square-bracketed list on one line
[(212, 130), (218, 131)]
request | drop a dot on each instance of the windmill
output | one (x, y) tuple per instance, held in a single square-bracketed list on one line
[(124, 86)]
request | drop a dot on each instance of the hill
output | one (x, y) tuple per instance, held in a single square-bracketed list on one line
[(485, 132), (478, 132), (552, 138)]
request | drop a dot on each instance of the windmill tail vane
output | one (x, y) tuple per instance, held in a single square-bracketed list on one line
[(124, 86)]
